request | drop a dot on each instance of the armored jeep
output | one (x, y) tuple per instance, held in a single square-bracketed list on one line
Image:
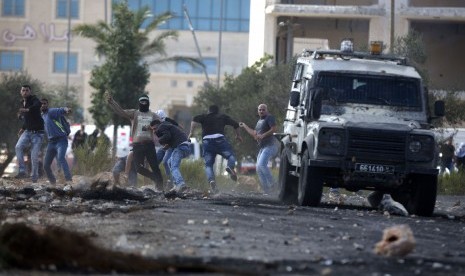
[(359, 121)]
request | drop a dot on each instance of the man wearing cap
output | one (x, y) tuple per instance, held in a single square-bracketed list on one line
[(142, 135)]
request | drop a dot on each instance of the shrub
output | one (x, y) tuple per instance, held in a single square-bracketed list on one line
[(90, 163)]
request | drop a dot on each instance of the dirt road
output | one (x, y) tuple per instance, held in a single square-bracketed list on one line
[(237, 233)]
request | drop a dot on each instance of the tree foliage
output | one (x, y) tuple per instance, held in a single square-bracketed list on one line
[(413, 47), (128, 50), (240, 96)]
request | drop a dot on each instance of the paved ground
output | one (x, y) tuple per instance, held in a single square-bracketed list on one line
[(232, 233)]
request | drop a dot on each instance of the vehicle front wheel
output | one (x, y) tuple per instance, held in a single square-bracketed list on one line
[(287, 183), (423, 197), (310, 183)]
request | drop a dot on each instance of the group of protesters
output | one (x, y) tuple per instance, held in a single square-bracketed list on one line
[(149, 131)]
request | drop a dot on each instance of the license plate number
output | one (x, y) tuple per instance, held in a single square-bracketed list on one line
[(373, 168)]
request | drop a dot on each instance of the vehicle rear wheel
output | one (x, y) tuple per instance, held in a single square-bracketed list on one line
[(310, 183), (287, 183), (423, 197)]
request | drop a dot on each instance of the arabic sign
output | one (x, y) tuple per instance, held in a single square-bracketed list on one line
[(29, 33)]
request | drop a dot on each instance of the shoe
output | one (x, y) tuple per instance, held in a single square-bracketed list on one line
[(232, 173), (21, 175), (176, 190), (213, 187)]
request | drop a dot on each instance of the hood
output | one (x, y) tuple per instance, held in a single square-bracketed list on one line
[(363, 116)]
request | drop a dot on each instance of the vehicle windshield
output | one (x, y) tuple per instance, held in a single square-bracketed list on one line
[(370, 89)]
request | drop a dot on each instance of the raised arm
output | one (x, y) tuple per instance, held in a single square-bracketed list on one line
[(116, 107)]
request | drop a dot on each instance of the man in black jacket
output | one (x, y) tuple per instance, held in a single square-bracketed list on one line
[(171, 136), (31, 133), (214, 142)]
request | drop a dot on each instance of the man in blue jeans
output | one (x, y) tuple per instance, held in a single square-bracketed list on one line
[(30, 134), (57, 140), (164, 155), (172, 137), (214, 142), (268, 144)]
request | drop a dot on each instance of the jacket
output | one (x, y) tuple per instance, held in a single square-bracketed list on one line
[(53, 131), (170, 134), (32, 120)]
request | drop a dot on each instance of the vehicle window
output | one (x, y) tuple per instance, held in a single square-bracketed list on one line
[(376, 90)]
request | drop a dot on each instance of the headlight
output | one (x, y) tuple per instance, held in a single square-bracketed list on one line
[(335, 140), (420, 148), (331, 141), (414, 146)]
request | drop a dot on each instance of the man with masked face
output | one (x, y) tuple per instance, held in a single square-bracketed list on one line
[(142, 136)]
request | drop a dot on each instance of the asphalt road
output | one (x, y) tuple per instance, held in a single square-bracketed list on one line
[(237, 233)]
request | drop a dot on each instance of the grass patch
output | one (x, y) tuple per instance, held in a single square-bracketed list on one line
[(90, 163), (452, 184)]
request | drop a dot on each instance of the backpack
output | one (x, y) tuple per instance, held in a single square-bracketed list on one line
[(63, 124)]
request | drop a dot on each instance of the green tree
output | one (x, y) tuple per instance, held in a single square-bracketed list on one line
[(240, 96), (128, 50), (412, 47)]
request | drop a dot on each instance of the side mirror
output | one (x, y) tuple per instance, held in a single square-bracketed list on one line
[(439, 108), (294, 98)]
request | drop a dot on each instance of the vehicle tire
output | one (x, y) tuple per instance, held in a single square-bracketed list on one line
[(423, 197), (288, 184), (310, 183)]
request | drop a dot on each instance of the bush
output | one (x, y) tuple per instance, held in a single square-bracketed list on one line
[(452, 184), (90, 163)]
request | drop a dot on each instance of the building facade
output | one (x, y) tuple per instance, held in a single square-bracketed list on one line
[(283, 28), (34, 38)]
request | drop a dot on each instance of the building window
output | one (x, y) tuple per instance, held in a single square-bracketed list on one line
[(205, 14), (190, 83), (174, 83), (60, 61), (13, 8), (11, 60), (62, 9), (183, 67)]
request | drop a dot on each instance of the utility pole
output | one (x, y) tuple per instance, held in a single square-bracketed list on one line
[(218, 70), (186, 14), (68, 51), (391, 46)]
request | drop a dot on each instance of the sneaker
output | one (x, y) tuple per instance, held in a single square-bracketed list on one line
[(232, 173), (176, 190), (21, 175), (213, 187)]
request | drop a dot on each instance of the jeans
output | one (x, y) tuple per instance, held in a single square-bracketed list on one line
[(120, 166), (34, 139), (265, 154), (163, 156), (57, 148), (178, 153), (212, 147)]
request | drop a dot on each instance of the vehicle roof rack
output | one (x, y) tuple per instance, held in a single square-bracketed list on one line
[(319, 54)]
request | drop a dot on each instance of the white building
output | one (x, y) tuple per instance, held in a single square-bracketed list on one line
[(34, 39), (283, 27)]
